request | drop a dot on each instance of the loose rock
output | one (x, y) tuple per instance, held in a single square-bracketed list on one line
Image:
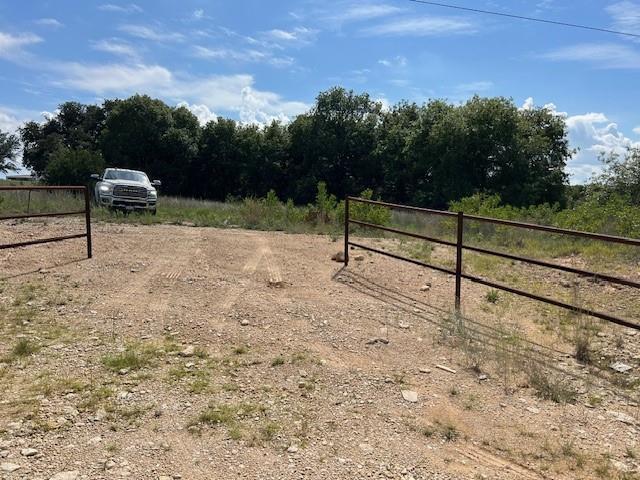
[(9, 467), (338, 257), (28, 452), (410, 396), (620, 367), (188, 351)]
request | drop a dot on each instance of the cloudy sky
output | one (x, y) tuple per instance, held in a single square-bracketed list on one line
[(255, 60)]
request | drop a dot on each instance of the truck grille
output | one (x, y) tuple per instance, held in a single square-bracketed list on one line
[(129, 191)]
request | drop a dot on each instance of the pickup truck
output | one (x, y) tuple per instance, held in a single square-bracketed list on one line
[(126, 190)]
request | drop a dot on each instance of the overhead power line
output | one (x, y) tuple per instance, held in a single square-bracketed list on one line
[(522, 17)]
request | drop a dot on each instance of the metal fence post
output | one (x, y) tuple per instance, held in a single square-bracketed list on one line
[(459, 259), (87, 215), (346, 231)]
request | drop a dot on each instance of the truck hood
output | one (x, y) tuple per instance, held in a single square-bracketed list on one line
[(129, 183)]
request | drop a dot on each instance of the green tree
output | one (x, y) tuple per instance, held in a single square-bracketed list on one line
[(621, 175), (216, 172), (75, 126), (146, 134), (69, 166), (9, 146), (334, 143)]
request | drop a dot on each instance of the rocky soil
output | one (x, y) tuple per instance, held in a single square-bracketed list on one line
[(197, 353)]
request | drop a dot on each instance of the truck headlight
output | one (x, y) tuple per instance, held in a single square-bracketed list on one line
[(105, 188), (153, 194)]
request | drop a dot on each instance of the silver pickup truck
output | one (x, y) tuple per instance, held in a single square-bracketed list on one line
[(126, 190)]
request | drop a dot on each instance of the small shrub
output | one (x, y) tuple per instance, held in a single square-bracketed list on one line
[(549, 388), (23, 348), (240, 350), (279, 360), (450, 432), (199, 386), (227, 414), (269, 431), (492, 296), (325, 205), (428, 431), (130, 359), (583, 349)]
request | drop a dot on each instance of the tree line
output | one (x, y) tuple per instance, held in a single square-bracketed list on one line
[(424, 155)]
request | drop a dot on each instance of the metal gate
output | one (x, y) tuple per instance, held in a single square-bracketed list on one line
[(86, 212), (460, 246)]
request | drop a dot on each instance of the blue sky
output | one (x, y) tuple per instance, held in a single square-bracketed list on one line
[(254, 60)]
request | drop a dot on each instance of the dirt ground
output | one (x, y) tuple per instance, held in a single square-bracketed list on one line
[(198, 353)]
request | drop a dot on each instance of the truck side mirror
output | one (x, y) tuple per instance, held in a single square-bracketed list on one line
[(156, 183), (95, 176)]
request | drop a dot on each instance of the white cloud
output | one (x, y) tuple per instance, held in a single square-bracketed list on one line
[(360, 11), (593, 134), (601, 55), (528, 104), (626, 16), (9, 121), (202, 112), (116, 47), (421, 26), (636, 130), (227, 93), (130, 8), (49, 22), (12, 45), (242, 55), (265, 107), (112, 78), (395, 62), (544, 5), (148, 33), (198, 14), (605, 134), (299, 35)]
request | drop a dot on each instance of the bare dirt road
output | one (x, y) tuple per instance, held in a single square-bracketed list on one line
[(200, 353)]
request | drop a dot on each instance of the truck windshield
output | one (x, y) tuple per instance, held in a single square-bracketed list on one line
[(126, 175)]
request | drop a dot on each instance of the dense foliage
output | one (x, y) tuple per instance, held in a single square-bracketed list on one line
[(425, 155), (9, 145)]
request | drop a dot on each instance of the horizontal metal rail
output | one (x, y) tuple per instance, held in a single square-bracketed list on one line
[(532, 261), (506, 288), (402, 232), (86, 212), (510, 223), (560, 231), (40, 187), (555, 266), (44, 240), (551, 301), (460, 246), (399, 257), (38, 215), (402, 207)]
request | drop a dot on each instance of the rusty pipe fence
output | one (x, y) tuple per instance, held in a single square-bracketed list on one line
[(460, 246), (86, 212)]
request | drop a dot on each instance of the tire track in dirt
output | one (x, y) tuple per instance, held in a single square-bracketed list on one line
[(496, 464), (261, 256), (153, 290)]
